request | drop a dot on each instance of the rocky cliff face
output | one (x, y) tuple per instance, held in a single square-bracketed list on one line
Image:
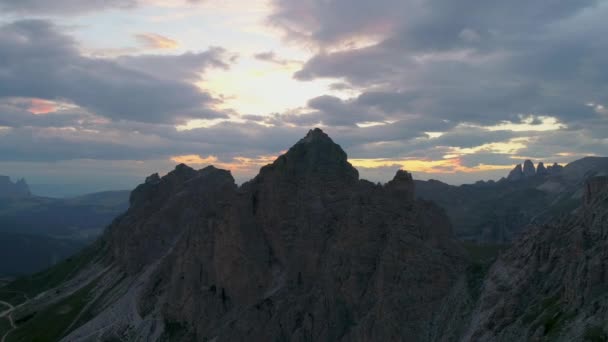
[(541, 170), (552, 285), (529, 169), (303, 252), (11, 190), (498, 212), (516, 174)]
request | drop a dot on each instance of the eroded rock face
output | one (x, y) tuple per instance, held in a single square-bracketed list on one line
[(554, 169), (595, 187), (552, 284), (529, 170), (516, 174), (541, 170), (304, 252)]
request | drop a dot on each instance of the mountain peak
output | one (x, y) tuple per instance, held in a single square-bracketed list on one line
[(529, 169), (516, 174), (8, 189), (316, 156), (315, 135)]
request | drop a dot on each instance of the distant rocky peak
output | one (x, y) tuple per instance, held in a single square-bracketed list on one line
[(8, 189), (402, 184), (152, 179), (529, 169), (182, 177), (314, 156), (554, 169), (516, 174), (315, 135), (541, 170)]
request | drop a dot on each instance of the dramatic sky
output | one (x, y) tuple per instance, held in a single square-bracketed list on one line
[(98, 94)]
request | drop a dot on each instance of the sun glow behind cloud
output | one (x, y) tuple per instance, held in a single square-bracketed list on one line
[(242, 165), (442, 166)]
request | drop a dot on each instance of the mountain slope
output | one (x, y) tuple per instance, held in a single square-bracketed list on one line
[(304, 251), (498, 212), (552, 285)]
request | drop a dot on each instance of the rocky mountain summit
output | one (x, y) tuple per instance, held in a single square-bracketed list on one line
[(305, 251), (529, 170), (10, 190)]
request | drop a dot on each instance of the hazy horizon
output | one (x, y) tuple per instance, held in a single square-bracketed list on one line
[(120, 183)]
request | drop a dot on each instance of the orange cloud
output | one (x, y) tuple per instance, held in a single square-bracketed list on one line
[(238, 164), (194, 159), (252, 165), (156, 41), (446, 166), (40, 106)]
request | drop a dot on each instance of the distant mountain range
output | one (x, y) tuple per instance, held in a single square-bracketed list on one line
[(10, 190), (307, 251), (498, 211), (36, 232)]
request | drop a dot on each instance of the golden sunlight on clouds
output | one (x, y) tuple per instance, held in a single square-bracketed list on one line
[(510, 147), (238, 164), (449, 165), (530, 123), (194, 159), (261, 88), (156, 41)]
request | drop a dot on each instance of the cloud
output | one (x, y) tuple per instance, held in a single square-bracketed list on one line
[(143, 88), (62, 6), (156, 41), (468, 61), (78, 7), (272, 57)]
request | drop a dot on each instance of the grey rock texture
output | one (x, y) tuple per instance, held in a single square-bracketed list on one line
[(529, 170), (541, 170), (552, 284), (516, 174), (498, 212), (303, 252), (554, 169)]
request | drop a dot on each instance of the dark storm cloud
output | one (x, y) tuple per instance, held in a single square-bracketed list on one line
[(468, 137), (70, 7), (62, 6), (465, 61), (41, 62)]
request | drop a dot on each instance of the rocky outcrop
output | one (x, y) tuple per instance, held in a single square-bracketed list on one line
[(306, 251), (529, 170), (516, 174), (595, 187), (541, 170), (552, 285), (554, 169), (11, 190), (402, 186)]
